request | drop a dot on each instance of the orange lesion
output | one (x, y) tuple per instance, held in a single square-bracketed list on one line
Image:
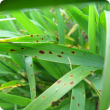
[(71, 76), (43, 97), (64, 84)]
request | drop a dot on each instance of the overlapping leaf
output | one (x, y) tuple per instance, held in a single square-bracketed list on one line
[(60, 88), (53, 52)]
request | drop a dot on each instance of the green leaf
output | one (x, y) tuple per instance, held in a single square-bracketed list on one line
[(6, 106), (91, 28), (78, 97), (28, 38), (26, 23), (96, 82), (105, 98), (90, 105), (53, 52), (60, 26), (60, 88), (15, 99), (12, 84), (31, 77)]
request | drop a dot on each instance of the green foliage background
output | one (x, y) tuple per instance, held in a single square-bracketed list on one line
[(55, 57)]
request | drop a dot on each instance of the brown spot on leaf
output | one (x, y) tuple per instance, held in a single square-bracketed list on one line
[(57, 39), (31, 35), (71, 82), (59, 55), (59, 81), (37, 41), (91, 71), (55, 43), (78, 104), (62, 52), (67, 9), (50, 52), (73, 97), (31, 65), (22, 48), (42, 38), (37, 35), (73, 52), (84, 53), (71, 76), (12, 50), (35, 57), (64, 84), (42, 52), (34, 89), (31, 74), (43, 97)]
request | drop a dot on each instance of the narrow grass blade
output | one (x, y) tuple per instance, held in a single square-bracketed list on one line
[(78, 97), (5, 69), (105, 98), (28, 38), (15, 99), (25, 22), (5, 34), (6, 106), (91, 28), (31, 77), (60, 26), (80, 17), (53, 52), (59, 88), (12, 84)]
